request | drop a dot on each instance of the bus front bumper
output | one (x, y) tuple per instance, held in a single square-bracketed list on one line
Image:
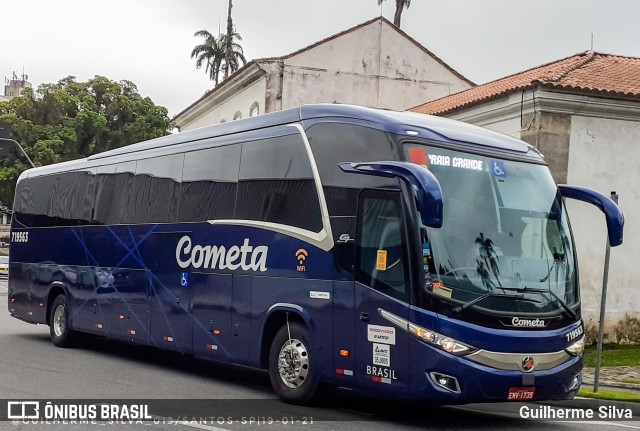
[(458, 380)]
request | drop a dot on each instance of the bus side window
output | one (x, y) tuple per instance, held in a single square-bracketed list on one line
[(381, 253), (113, 188), (209, 184), (156, 190), (276, 184)]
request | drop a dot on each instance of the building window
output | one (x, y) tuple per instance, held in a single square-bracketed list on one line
[(237, 115), (254, 110)]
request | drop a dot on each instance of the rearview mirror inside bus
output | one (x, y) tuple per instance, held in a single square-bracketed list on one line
[(426, 187)]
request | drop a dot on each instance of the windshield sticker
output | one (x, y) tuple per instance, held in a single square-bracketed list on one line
[(456, 162), (418, 156), (497, 168), (439, 289), (381, 261)]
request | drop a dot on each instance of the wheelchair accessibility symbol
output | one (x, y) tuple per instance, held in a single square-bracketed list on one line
[(497, 168), (184, 279)]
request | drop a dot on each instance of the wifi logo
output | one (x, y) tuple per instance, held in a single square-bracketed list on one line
[(301, 255)]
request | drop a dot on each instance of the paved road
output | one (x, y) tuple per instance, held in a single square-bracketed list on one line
[(32, 368)]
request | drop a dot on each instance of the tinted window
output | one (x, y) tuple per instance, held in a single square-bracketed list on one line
[(114, 184), (276, 183), (334, 143), (73, 198), (209, 184), (156, 190), (381, 253), (34, 199)]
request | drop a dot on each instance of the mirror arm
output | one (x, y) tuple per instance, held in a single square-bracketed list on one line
[(613, 214), (425, 185)]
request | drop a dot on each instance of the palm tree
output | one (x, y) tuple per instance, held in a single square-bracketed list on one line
[(211, 53), (233, 53), (400, 6)]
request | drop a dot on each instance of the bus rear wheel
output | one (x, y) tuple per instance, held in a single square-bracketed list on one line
[(292, 370), (61, 334)]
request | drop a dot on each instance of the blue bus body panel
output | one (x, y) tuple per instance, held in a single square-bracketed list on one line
[(125, 279), (210, 289)]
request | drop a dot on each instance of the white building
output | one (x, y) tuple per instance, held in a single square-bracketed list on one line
[(372, 64), (583, 113)]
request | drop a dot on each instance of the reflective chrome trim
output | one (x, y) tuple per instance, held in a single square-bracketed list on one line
[(513, 361), (396, 320), (323, 239)]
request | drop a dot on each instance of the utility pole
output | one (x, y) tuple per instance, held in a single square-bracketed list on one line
[(603, 305)]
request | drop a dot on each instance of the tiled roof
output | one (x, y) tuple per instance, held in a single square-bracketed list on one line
[(590, 71)]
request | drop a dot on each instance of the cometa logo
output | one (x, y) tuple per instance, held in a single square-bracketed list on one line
[(528, 323), (245, 256), (301, 255)]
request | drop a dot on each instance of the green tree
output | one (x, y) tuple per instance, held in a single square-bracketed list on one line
[(69, 120), (400, 6), (214, 51), (222, 53), (210, 53), (234, 55)]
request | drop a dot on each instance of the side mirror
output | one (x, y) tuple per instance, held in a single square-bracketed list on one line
[(612, 213), (425, 185)]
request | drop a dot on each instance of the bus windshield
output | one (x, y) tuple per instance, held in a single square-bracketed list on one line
[(505, 235)]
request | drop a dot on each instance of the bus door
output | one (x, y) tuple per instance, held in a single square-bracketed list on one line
[(382, 349)]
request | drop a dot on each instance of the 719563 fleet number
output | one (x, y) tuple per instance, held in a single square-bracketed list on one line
[(575, 333), (19, 236)]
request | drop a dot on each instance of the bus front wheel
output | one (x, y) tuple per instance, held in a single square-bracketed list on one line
[(61, 334), (292, 371)]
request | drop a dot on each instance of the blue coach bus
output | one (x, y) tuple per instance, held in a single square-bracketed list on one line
[(392, 253)]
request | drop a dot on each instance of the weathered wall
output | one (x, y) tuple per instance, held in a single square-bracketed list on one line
[(550, 133), (604, 155), (215, 111), (346, 70)]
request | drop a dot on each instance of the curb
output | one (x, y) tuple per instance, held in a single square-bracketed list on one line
[(612, 384)]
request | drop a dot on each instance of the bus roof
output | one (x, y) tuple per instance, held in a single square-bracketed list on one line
[(402, 123)]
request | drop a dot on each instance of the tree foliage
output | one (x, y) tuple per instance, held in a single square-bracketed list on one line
[(213, 54), (400, 6), (70, 120), (222, 53)]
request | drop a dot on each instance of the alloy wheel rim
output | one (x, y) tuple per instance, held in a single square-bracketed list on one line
[(59, 321), (293, 363)]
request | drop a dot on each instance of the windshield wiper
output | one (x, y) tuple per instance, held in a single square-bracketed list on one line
[(543, 293), (494, 295)]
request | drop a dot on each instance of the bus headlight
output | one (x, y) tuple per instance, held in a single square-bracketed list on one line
[(447, 344), (576, 348)]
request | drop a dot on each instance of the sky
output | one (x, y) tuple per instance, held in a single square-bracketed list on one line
[(149, 41)]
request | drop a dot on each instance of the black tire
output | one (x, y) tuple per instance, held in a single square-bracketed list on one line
[(61, 334), (299, 381)]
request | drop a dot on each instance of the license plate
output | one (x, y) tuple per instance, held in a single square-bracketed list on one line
[(521, 394)]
